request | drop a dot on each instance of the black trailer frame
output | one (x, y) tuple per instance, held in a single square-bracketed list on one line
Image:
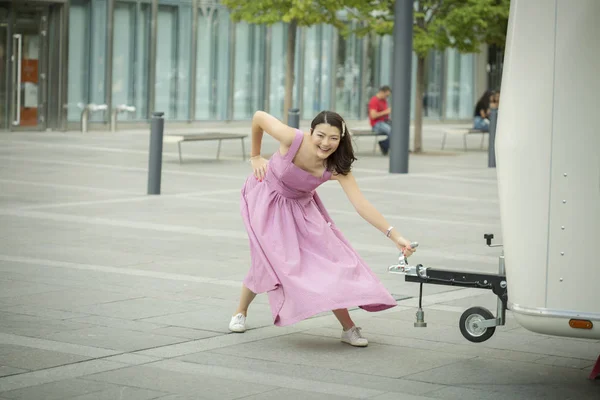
[(477, 324)]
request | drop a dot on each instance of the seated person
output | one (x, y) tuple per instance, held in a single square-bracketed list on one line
[(379, 117), (495, 101), (482, 112)]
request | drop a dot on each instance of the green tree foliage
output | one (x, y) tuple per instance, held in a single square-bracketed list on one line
[(295, 13), (438, 25)]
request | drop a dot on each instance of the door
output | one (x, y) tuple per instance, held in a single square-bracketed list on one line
[(28, 68)]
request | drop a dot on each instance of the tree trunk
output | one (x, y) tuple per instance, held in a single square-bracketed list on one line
[(418, 144), (289, 69)]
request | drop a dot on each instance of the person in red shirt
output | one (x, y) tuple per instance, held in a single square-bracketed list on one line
[(379, 117)]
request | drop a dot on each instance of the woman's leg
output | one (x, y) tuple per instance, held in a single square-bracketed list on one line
[(246, 298), (351, 333), (344, 317)]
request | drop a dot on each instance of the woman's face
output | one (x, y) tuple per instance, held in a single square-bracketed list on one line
[(326, 139)]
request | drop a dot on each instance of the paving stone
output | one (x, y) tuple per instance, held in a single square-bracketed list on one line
[(138, 308), (380, 360), (118, 323), (132, 359), (315, 374), (69, 298), (291, 394), (187, 333), (88, 252), (6, 371), (466, 349), (201, 386), (61, 373), (403, 396), (42, 312), (547, 391), (34, 359), (86, 351), (213, 319), (486, 371), (113, 338), (16, 288), (567, 362), (55, 390), (120, 392), (41, 329)]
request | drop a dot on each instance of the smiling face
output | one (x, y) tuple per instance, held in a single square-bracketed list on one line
[(326, 139)]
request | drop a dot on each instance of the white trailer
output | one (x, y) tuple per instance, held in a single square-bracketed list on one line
[(547, 149)]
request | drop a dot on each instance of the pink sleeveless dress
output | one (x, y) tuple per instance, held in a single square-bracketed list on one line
[(298, 256)]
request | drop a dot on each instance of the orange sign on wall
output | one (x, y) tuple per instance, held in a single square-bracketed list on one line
[(29, 86), (29, 71)]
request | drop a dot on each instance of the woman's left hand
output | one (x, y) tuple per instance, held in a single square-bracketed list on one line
[(404, 246)]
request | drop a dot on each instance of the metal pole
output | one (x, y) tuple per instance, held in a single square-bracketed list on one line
[(108, 71), (501, 311), (157, 124), (152, 60), (492, 138), (194, 62), (294, 117), (401, 80), (64, 60)]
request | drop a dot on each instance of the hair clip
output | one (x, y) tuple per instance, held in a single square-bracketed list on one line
[(343, 128)]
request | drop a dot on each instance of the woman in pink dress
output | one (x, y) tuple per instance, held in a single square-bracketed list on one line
[(298, 255)]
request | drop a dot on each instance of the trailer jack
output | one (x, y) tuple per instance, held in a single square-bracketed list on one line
[(477, 324)]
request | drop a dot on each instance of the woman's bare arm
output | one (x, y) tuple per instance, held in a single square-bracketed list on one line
[(368, 212), (264, 122)]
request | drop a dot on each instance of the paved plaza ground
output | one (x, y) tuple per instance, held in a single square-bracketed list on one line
[(108, 293)]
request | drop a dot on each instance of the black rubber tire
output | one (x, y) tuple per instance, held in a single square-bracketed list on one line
[(484, 313)]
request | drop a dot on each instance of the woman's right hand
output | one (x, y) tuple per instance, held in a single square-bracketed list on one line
[(405, 246), (259, 167)]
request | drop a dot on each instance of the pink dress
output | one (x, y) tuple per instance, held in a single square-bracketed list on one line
[(298, 256)]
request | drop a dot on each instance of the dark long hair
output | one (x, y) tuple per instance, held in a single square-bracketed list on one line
[(484, 100), (340, 161)]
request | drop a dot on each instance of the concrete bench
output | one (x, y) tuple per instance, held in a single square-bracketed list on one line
[(464, 132), (366, 132), (195, 137)]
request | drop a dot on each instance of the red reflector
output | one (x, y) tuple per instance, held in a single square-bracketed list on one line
[(580, 324)]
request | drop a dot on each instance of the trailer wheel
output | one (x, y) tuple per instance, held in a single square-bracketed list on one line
[(471, 328)]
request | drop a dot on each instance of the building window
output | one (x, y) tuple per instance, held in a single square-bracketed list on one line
[(311, 104), (212, 64), (87, 57), (459, 85), (172, 83), (327, 67), (277, 69), (131, 48), (432, 96), (249, 74), (348, 76)]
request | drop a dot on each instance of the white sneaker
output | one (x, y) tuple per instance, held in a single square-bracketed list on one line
[(353, 337), (238, 323)]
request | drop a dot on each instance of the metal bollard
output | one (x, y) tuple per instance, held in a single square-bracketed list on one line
[(157, 124), (85, 114), (294, 118), (119, 109), (492, 146)]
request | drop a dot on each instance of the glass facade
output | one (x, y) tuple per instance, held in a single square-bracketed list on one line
[(3, 66), (229, 70), (131, 49), (212, 64), (87, 56), (249, 77)]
